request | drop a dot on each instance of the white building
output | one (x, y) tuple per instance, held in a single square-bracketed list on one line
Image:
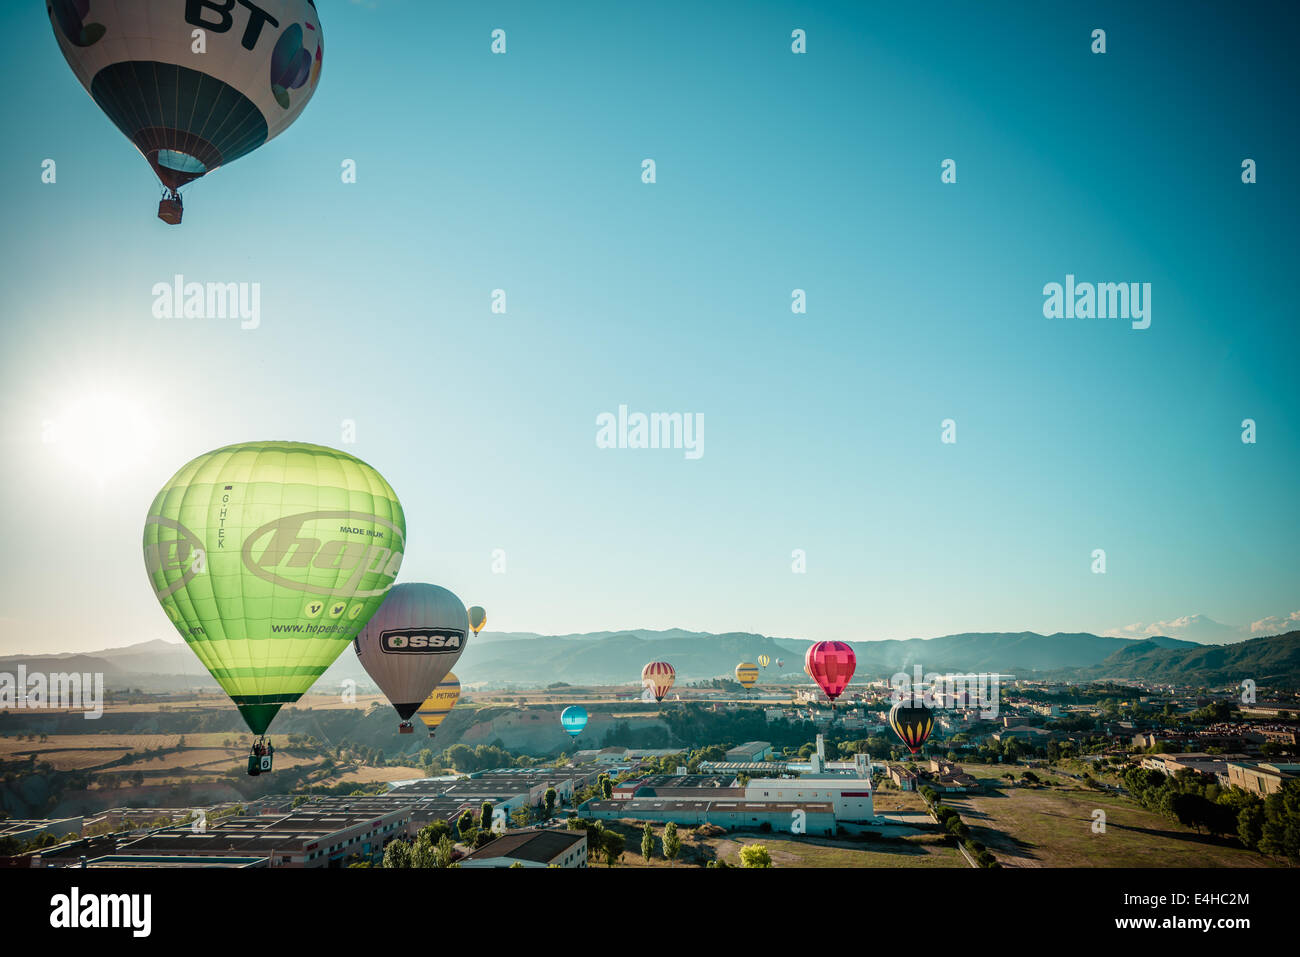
[(851, 798)]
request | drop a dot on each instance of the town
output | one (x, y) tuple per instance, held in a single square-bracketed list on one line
[(1205, 780)]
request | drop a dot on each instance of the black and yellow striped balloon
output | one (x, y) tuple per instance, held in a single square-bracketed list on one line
[(912, 724)]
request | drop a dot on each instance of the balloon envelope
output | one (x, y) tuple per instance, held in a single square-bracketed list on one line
[(269, 558), (747, 674), (831, 664), (477, 618), (438, 705), (189, 112), (411, 642), (912, 723), (574, 719), (659, 677)]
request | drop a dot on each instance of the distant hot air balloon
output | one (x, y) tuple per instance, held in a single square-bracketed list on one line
[(912, 722), (764, 660), (269, 558), (187, 110), (477, 618), (410, 644), (438, 705), (658, 676), (747, 674), (780, 662), (574, 719), (831, 664)]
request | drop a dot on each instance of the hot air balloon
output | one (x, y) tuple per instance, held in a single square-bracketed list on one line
[(659, 676), (831, 664), (574, 719), (410, 644), (780, 663), (190, 110), (912, 722), (438, 705), (747, 674), (764, 661), (477, 618), (269, 558)]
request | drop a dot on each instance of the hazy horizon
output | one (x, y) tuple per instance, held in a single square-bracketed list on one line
[(523, 635)]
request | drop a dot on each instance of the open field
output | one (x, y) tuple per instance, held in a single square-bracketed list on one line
[(1052, 827), (886, 802), (786, 850), (367, 775)]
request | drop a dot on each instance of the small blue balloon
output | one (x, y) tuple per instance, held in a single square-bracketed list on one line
[(574, 719)]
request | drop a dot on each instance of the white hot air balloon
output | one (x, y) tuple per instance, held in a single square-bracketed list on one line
[(193, 85), (411, 643)]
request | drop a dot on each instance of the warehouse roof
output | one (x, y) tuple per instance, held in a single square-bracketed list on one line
[(540, 847)]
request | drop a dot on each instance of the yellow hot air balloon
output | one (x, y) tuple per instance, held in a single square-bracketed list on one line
[(747, 674), (477, 618), (438, 705), (764, 660)]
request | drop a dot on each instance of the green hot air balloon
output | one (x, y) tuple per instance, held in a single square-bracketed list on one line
[(269, 558)]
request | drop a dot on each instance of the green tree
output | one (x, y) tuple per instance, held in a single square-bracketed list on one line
[(647, 841), (551, 797), (755, 855), (436, 831), (444, 852), (465, 823), (612, 846), (672, 842), (485, 816), (1250, 824), (397, 855), (424, 853)]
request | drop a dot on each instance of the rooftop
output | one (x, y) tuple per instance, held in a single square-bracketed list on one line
[(540, 847)]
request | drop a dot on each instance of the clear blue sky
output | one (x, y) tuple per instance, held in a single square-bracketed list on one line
[(775, 172)]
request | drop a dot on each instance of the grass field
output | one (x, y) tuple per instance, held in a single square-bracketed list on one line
[(365, 775), (1052, 826), (785, 850)]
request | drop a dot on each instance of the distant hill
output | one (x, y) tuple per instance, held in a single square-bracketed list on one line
[(616, 657), (1274, 660)]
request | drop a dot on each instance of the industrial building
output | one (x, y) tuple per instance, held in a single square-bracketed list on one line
[(304, 838), (25, 831), (750, 751), (1262, 778), (732, 813), (532, 847), (849, 798)]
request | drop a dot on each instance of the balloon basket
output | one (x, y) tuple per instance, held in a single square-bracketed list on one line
[(260, 757), (170, 211), (406, 728)]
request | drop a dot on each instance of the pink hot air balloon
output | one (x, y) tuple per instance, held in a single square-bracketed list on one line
[(831, 664)]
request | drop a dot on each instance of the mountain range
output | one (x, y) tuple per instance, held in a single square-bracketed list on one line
[(616, 657)]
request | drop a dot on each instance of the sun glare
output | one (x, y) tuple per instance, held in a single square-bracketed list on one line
[(102, 434)]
